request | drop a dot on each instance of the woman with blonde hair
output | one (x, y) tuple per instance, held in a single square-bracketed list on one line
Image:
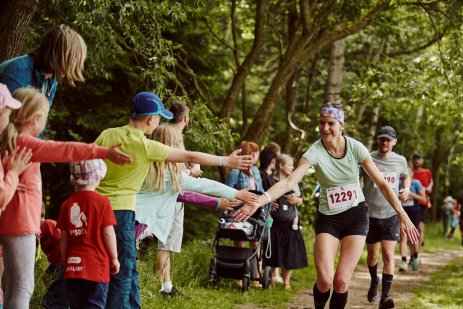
[(20, 221), (60, 56), (156, 202)]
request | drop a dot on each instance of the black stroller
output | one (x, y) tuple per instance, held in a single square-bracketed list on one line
[(241, 263)]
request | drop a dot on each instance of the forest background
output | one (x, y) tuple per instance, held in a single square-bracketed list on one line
[(260, 70)]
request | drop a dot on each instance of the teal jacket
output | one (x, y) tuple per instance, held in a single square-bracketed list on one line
[(156, 209), (20, 72)]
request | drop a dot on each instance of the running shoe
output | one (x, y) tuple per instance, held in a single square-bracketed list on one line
[(373, 291), (404, 266), (416, 264), (386, 303), (277, 279), (174, 293)]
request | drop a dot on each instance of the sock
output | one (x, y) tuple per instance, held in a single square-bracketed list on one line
[(411, 257), (404, 259), (320, 298), (167, 286), (373, 272), (415, 255), (338, 300), (387, 282)]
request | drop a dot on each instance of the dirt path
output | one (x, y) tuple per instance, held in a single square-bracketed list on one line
[(402, 288)]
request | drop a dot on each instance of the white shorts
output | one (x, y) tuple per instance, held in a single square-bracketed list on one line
[(174, 240)]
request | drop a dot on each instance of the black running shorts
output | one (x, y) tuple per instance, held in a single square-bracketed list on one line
[(383, 229), (414, 215), (353, 221)]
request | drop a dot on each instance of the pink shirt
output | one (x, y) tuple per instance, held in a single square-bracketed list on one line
[(22, 215)]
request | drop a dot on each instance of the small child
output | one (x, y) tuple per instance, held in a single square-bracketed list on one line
[(15, 164), (55, 297), (88, 240)]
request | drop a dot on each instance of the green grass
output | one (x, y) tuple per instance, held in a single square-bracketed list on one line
[(443, 289), (190, 275)]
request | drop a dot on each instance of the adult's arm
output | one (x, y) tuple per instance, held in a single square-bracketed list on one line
[(198, 199), (274, 192), (406, 226)]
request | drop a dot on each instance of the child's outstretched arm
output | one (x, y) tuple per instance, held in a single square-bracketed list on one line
[(15, 163), (232, 161), (111, 245), (48, 151)]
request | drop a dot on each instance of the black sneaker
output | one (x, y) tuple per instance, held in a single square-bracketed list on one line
[(386, 303), (373, 291), (175, 293)]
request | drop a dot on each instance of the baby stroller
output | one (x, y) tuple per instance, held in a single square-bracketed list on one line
[(241, 263)]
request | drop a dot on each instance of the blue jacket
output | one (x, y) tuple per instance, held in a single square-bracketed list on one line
[(20, 72), (240, 180)]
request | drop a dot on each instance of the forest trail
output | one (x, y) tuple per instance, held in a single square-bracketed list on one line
[(402, 288)]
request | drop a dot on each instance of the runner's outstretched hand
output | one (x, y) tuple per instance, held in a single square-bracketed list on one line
[(245, 212), (407, 228)]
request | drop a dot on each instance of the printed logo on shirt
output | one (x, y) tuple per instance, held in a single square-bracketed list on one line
[(74, 260), (78, 219)]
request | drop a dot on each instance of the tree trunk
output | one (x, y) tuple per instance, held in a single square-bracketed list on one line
[(243, 70), (335, 71), (308, 91), (15, 17), (372, 130), (299, 52)]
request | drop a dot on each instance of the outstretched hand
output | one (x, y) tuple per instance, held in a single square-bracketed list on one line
[(246, 196), (407, 228), (240, 162), (117, 156), (245, 212)]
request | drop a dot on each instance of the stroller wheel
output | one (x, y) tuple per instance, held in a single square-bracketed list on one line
[(245, 286), (213, 280), (266, 277)]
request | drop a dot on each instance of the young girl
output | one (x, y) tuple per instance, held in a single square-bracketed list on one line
[(156, 202), (20, 222), (15, 164), (288, 248)]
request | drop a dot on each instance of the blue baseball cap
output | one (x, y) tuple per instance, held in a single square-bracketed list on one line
[(147, 103)]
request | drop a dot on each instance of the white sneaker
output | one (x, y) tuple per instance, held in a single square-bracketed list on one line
[(278, 279)]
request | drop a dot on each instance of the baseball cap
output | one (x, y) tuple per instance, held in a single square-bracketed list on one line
[(387, 132), (147, 103), (87, 172), (6, 100)]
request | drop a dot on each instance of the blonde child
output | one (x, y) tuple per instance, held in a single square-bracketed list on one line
[(20, 221), (122, 183), (88, 241), (15, 164), (156, 203)]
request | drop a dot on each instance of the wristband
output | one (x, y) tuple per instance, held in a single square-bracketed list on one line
[(220, 160), (218, 203), (400, 213), (269, 198)]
